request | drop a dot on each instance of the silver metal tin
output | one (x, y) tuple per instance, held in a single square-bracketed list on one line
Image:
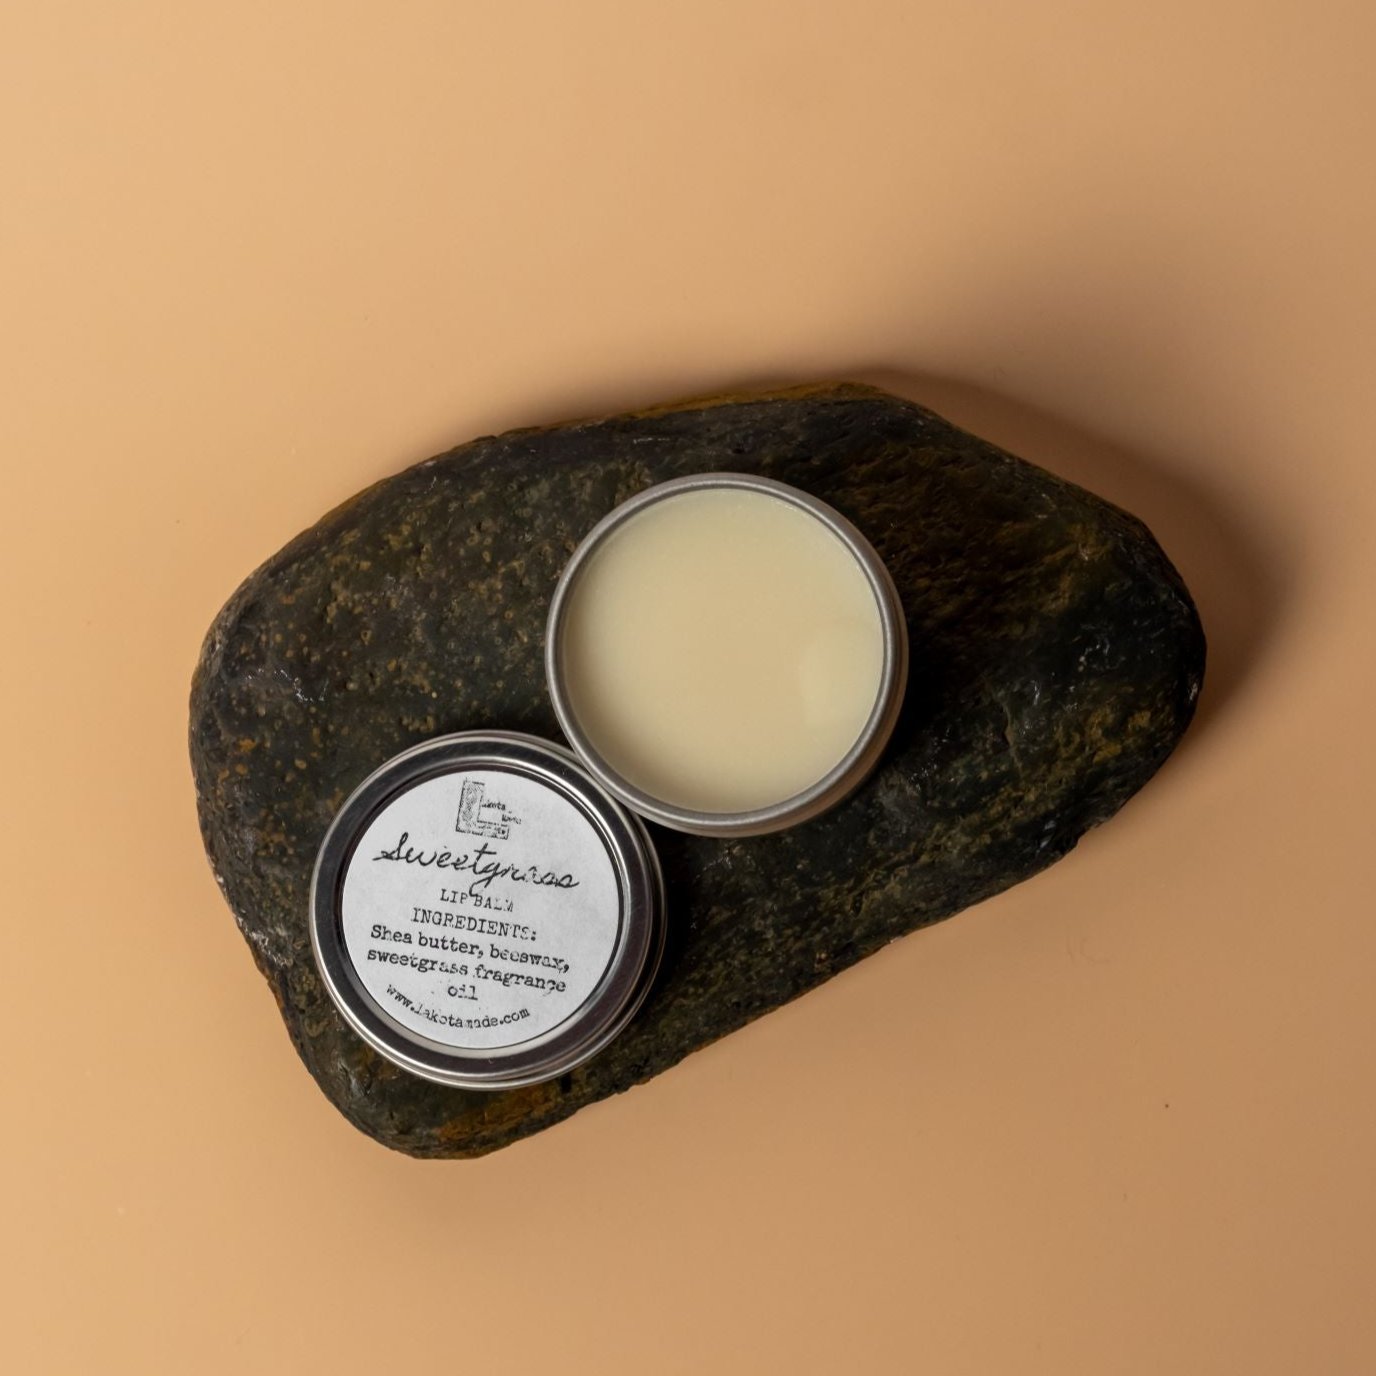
[(851, 770), (564, 800)]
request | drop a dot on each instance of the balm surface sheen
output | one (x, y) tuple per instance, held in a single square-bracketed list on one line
[(723, 649)]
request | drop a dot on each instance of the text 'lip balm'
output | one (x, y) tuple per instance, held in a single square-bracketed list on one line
[(727, 654)]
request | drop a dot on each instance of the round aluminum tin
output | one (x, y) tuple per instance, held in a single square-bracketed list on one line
[(525, 803), (832, 787)]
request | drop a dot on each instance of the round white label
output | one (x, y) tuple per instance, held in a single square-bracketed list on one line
[(480, 909)]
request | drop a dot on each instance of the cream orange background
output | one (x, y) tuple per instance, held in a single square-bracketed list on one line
[(255, 256)]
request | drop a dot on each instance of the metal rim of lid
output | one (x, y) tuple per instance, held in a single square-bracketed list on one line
[(630, 970), (844, 777)]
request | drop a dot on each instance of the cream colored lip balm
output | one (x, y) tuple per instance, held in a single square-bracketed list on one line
[(726, 654)]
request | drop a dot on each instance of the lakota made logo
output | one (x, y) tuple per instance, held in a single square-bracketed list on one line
[(479, 817)]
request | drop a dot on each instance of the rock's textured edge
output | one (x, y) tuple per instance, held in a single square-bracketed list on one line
[(260, 857)]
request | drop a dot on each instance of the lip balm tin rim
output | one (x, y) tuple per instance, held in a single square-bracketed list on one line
[(630, 970), (847, 774)]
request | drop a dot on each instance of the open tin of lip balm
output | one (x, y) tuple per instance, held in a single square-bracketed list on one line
[(483, 914), (727, 654)]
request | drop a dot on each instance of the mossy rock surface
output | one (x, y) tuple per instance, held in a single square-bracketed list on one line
[(1056, 661)]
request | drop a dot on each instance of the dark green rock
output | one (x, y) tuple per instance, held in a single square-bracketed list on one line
[(1057, 658)]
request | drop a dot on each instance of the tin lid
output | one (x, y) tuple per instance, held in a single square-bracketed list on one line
[(483, 914)]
